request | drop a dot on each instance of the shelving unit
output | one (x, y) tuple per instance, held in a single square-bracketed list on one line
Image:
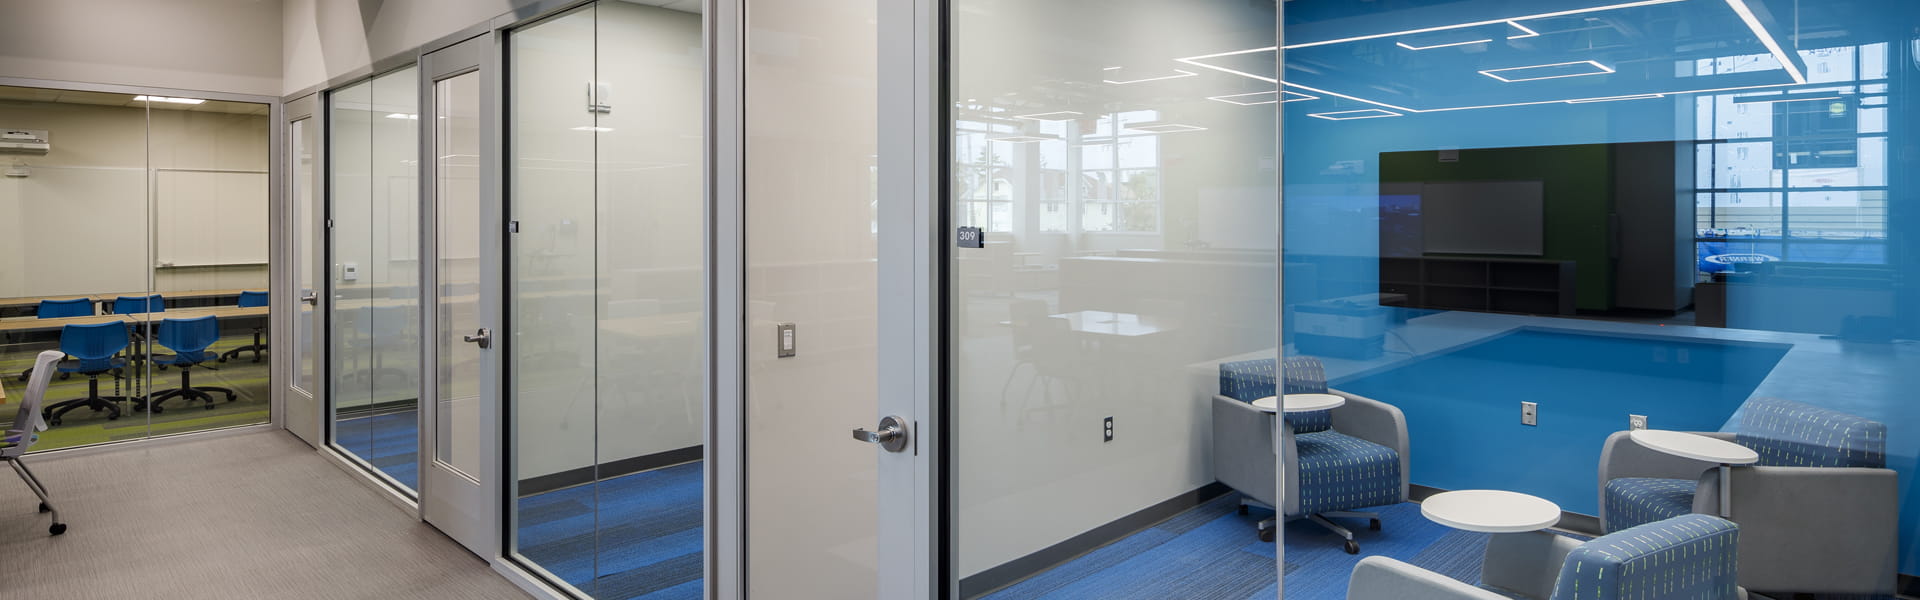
[(1503, 285)]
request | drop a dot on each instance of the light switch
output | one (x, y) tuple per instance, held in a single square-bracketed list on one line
[(785, 337)]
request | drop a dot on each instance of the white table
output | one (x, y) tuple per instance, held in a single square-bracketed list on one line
[(1299, 403), (1491, 511), (1699, 447), (1100, 322)]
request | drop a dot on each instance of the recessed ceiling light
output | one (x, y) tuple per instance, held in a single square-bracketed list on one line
[(1446, 45), (168, 99), (1350, 115), (1165, 128), (1177, 75), (1602, 70), (1616, 98), (403, 116), (1785, 98), (1060, 115), (1023, 139)]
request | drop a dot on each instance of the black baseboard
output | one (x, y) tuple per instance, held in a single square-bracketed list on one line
[(625, 466), (1046, 558)]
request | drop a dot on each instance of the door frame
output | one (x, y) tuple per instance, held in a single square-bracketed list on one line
[(468, 513)]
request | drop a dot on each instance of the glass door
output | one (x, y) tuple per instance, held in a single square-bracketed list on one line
[(303, 160), (461, 465)]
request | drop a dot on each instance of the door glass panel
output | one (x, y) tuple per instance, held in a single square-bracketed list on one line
[(1123, 174), (1523, 231), (457, 185), (811, 261), (307, 347), (375, 362), (606, 294)]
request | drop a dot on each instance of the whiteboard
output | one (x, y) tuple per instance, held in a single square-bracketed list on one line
[(1484, 217), (209, 218)]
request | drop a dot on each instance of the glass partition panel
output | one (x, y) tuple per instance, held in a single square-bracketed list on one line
[(1635, 270), (458, 221), (606, 294), (309, 352), (1114, 195), (375, 319)]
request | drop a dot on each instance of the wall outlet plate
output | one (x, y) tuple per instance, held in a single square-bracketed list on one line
[(1636, 422), (1530, 414), (1108, 424)]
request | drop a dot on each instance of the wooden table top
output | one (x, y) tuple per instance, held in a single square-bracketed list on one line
[(33, 324)]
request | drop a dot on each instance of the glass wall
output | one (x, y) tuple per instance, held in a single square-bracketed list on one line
[(374, 206), (158, 200), (1560, 239), (1116, 230), (606, 298)]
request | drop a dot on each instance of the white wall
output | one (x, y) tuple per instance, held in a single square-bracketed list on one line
[(330, 38), (208, 45), (82, 213)]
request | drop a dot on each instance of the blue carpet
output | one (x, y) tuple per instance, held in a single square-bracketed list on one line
[(629, 537), (389, 442)]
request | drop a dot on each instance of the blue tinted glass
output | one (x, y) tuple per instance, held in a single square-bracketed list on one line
[(1531, 227)]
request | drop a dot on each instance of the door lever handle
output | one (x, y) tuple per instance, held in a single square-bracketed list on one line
[(484, 338), (890, 435), (311, 298)]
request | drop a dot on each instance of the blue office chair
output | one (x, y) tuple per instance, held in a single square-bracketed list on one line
[(189, 339), (128, 305), (93, 348), (55, 309), (250, 300)]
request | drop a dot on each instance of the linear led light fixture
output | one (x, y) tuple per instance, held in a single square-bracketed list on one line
[(1603, 71), (1786, 98), (1616, 98), (1165, 128), (1488, 22), (1259, 98), (1516, 25), (1753, 22), (1352, 115), (593, 129), (1061, 115), (1449, 45), (403, 116), (1022, 139), (168, 99), (1177, 75)]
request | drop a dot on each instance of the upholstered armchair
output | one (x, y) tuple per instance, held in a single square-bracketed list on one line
[(1818, 514), (1338, 460)]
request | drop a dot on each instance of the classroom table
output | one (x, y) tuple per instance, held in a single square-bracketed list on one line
[(34, 301), (16, 325)]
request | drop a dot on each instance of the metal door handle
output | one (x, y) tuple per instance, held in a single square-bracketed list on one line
[(891, 434), (311, 297), (484, 338)]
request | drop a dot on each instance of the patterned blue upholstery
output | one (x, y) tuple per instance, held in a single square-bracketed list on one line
[(1791, 434), (1250, 380), (1341, 472), (1634, 501), (1690, 557)]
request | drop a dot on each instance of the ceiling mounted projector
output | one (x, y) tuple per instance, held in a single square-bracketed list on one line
[(24, 141)]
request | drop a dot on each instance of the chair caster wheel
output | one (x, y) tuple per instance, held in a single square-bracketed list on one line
[(54, 421), (1266, 535), (1243, 509), (209, 406), (44, 507), (1353, 547), (1373, 525), (223, 359), (57, 529), (155, 409), (113, 417), (66, 376)]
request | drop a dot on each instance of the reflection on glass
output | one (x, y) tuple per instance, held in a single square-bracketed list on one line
[(457, 213), (1610, 223), (1131, 224), (375, 319), (307, 353), (162, 204), (606, 294)]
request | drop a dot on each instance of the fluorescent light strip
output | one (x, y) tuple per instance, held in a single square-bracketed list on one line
[(1604, 70), (1277, 98), (168, 99), (1180, 75), (1517, 25), (593, 129), (1021, 139), (1062, 115), (1352, 115), (1753, 22), (1404, 44), (1617, 98), (1479, 23), (403, 116), (1785, 98), (1166, 128)]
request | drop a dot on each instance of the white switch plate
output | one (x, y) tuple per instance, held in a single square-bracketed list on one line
[(1636, 421), (1529, 413)]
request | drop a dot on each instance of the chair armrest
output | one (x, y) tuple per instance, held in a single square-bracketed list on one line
[(1622, 457), (1808, 529), (1526, 563), (1243, 457), (1377, 422), (1382, 578)]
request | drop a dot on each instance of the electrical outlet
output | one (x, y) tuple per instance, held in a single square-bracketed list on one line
[(1529, 413), (1636, 421), (1109, 430)]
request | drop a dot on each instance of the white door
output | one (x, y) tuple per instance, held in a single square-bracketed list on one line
[(302, 411), (460, 449)]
